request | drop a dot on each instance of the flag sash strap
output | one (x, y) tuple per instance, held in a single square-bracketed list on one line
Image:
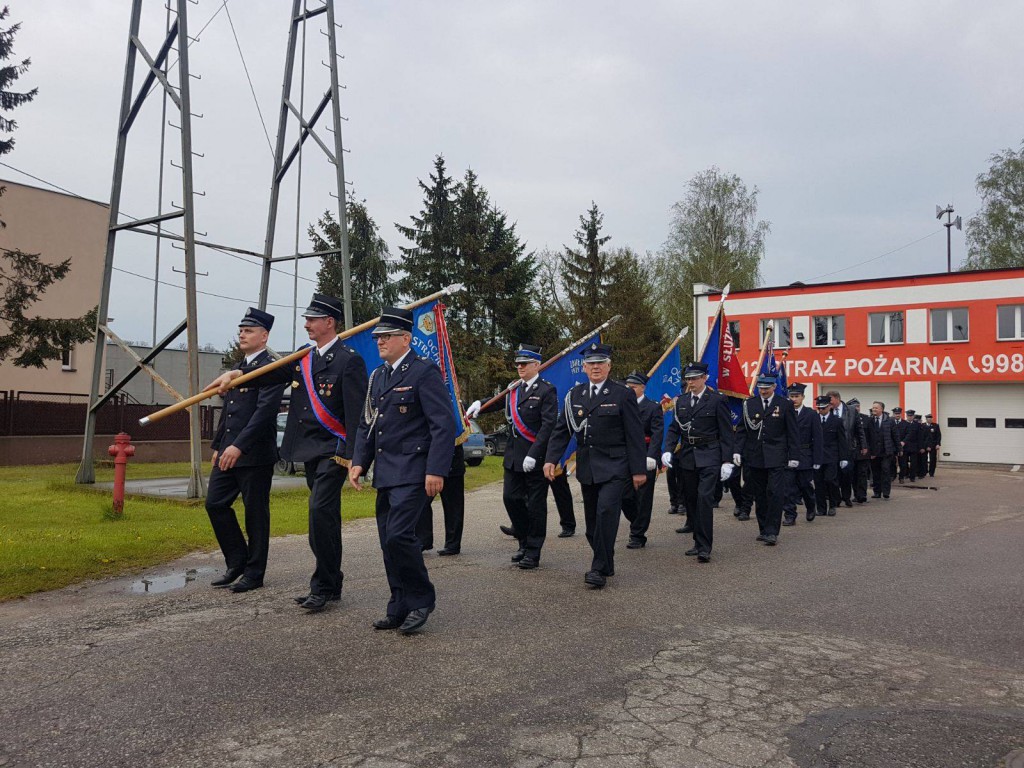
[(517, 421), (327, 419)]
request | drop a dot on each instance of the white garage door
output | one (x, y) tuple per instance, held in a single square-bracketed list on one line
[(867, 394), (982, 422)]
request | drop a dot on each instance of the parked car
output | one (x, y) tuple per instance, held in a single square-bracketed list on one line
[(475, 447), (283, 467), (497, 441)]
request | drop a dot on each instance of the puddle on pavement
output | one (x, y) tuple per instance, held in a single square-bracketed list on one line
[(167, 581)]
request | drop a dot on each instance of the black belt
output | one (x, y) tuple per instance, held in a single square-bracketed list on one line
[(703, 441)]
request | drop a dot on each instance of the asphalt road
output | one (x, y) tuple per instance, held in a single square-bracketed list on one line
[(889, 635)]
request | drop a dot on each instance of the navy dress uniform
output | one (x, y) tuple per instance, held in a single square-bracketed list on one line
[(249, 423), (453, 506), (531, 409), (912, 445), (835, 458), (883, 444), (328, 388), (638, 503), (701, 426), (801, 479), (605, 419), (767, 444), (407, 432), (902, 427), (932, 443), (861, 455)]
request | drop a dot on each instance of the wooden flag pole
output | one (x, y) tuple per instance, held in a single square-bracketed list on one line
[(675, 343), (206, 394), (760, 358), (553, 360)]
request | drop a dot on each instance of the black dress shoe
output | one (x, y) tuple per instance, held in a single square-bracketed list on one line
[(703, 557), (831, 512), (691, 552), (848, 503), (300, 599), (885, 495), (518, 555), (743, 516), (426, 547), (228, 578), (245, 584), (876, 496), (789, 521), (508, 530), (566, 533), (673, 510), (528, 563), (636, 544), (414, 621), (445, 551), (388, 622), (594, 579), (771, 540), (760, 537), (685, 529), (861, 501), (810, 517), (315, 603)]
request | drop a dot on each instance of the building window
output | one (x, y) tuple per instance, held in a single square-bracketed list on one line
[(829, 330), (1010, 322), (985, 423), (958, 422), (950, 325), (885, 328), (108, 379), (1015, 423), (734, 329), (783, 331), (67, 359)]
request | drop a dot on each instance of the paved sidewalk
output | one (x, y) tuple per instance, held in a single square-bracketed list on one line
[(889, 635)]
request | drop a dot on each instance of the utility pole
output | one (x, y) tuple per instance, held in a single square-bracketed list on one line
[(949, 224)]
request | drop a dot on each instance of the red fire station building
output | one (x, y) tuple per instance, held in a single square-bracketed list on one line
[(951, 345)]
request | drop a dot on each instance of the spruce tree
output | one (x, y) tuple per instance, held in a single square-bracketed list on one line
[(586, 274), (25, 276), (430, 263), (369, 266), (639, 337)]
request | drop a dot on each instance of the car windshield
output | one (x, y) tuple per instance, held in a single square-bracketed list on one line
[(475, 428)]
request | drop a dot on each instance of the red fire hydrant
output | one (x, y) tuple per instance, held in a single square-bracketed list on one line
[(120, 450)]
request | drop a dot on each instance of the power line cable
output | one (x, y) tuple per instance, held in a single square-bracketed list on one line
[(252, 89), (875, 258)]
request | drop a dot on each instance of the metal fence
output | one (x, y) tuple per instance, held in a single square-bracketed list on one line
[(63, 413)]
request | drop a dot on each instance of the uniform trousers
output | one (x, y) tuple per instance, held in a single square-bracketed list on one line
[(908, 466), (768, 489), (699, 493), (922, 464), (801, 486), (862, 473), (563, 501), (741, 498), (933, 460), (399, 508), (526, 501), (881, 475), (845, 482), (253, 484), (453, 502), (673, 479), (325, 478), (826, 486), (602, 503), (637, 505)]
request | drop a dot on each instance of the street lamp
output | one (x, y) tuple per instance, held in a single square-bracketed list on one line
[(949, 224)]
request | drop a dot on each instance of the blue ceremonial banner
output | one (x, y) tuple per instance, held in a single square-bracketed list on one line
[(667, 379), (429, 340), (565, 373), (771, 367)]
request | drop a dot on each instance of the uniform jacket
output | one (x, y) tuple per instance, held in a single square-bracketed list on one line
[(538, 409), (835, 446), (652, 419), (249, 418), (932, 436), (902, 428), (882, 441), (413, 434), (703, 432), (611, 444), (340, 379), (865, 425), (854, 434), (913, 437), (770, 440), (808, 427)]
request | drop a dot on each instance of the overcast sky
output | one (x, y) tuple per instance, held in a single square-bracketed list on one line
[(852, 120)]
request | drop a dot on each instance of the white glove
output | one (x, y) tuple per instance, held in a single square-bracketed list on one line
[(844, 464), (529, 463), (737, 459), (792, 464), (473, 410), (666, 458), (817, 466), (652, 464), (726, 471)]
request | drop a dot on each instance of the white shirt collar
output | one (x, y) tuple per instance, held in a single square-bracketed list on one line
[(529, 383), (699, 394), (253, 356), (323, 350), (398, 362), (639, 399)]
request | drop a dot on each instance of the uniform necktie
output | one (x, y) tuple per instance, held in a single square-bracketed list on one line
[(593, 390), (693, 401), (878, 421), (823, 419), (387, 373), (766, 405)]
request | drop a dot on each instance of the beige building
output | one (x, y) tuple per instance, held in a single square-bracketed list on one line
[(56, 226)]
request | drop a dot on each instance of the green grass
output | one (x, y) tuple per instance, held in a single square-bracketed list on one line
[(54, 533)]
